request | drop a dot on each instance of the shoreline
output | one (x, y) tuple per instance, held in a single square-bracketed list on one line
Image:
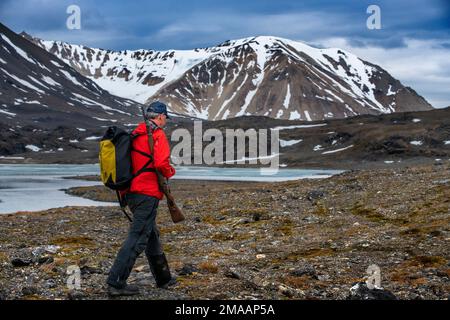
[(315, 165), (190, 178)]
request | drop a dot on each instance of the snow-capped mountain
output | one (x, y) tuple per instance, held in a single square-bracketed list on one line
[(135, 75), (268, 76), (285, 79), (37, 87)]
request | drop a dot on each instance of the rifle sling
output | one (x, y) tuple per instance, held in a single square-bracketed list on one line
[(122, 206)]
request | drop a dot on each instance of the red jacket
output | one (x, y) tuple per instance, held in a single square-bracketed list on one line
[(147, 182)]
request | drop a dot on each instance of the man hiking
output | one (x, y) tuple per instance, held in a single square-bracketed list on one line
[(143, 198)]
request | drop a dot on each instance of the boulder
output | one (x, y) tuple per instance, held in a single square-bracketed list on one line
[(360, 291)]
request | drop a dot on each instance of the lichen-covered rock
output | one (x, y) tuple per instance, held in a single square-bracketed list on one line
[(360, 291), (187, 269), (305, 270)]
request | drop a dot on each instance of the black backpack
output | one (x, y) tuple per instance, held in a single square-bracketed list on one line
[(115, 158)]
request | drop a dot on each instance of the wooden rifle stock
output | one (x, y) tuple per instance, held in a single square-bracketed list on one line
[(175, 212)]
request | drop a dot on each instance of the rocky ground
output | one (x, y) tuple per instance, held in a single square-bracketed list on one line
[(307, 239)]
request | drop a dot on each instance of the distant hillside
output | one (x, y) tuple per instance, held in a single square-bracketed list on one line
[(36, 88), (393, 139)]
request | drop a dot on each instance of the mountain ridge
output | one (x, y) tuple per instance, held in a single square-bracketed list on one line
[(230, 79)]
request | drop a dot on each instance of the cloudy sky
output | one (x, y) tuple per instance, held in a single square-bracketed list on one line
[(413, 43)]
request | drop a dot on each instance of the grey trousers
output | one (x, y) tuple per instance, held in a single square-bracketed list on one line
[(143, 235)]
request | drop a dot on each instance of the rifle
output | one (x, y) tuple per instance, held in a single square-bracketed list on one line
[(175, 212)]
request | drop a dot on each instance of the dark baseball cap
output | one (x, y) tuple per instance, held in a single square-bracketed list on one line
[(157, 107)]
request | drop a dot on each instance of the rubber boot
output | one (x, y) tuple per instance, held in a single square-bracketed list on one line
[(160, 270)]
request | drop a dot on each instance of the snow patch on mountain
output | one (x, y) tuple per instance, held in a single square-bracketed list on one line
[(287, 99), (23, 82), (19, 51), (287, 143), (33, 148), (337, 150)]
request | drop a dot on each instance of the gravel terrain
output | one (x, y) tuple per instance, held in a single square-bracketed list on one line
[(305, 239)]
